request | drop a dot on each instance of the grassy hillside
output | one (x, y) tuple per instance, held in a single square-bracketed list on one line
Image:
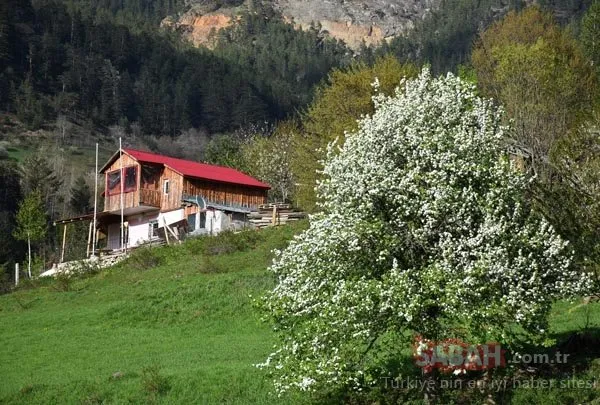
[(174, 325)]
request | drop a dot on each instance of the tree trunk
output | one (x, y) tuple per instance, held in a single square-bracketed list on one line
[(29, 255)]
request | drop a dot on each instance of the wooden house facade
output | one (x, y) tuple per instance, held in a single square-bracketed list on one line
[(164, 196)]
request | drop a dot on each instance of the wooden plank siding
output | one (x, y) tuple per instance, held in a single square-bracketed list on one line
[(172, 200), (147, 195), (151, 192), (130, 199), (225, 193)]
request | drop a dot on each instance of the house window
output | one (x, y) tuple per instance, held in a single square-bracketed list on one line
[(203, 220), (113, 182), (166, 187), (150, 176), (191, 222), (130, 179)]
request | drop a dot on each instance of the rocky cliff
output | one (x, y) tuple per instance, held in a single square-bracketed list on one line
[(352, 21)]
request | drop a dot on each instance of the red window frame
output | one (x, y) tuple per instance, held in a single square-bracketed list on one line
[(123, 176)]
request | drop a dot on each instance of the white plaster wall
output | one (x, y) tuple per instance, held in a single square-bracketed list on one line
[(171, 217), (216, 221), (138, 233), (139, 229)]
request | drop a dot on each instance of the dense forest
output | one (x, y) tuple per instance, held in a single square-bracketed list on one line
[(61, 62), (269, 98)]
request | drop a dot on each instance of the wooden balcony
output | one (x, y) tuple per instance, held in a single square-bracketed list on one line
[(150, 197), (137, 199)]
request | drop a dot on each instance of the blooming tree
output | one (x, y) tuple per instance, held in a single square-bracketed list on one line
[(424, 231)]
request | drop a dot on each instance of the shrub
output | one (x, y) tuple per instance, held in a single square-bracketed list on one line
[(229, 242), (144, 258)]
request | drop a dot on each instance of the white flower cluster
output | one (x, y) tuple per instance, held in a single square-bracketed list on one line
[(425, 230)]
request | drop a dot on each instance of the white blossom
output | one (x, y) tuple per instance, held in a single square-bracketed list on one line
[(424, 227)]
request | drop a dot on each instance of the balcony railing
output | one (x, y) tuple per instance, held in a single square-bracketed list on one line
[(137, 198)]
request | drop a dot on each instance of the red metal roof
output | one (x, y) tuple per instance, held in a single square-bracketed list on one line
[(198, 170)]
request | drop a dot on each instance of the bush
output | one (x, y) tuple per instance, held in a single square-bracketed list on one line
[(229, 242), (144, 258)]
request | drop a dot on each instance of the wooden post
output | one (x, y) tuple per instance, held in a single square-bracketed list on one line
[(89, 241), (166, 231), (62, 252), (29, 255), (122, 191), (274, 214), (16, 274), (168, 228), (94, 238)]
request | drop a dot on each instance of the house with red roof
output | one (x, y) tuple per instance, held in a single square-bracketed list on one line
[(163, 197)]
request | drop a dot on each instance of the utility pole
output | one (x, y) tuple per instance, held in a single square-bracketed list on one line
[(122, 190), (95, 202)]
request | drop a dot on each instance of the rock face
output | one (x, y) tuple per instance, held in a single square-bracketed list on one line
[(199, 28), (352, 21)]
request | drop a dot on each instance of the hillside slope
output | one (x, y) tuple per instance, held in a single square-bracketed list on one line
[(177, 325), (174, 323)]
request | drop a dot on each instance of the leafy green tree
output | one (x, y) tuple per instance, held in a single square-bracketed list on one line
[(269, 159), (425, 228), (32, 224), (573, 200), (281, 63), (590, 34), (225, 150), (538, 73), (337, 106)]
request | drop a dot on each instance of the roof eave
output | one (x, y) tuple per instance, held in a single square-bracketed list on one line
[(113, 158), (264, 187)]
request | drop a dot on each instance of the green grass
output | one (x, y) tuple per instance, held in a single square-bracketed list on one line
[(176, 325), (18, 154), (82, 158), (189, 320)]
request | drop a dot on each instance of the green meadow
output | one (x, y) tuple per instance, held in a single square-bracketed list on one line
[(177, 325)]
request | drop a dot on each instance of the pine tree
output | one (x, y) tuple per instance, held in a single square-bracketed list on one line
[(10, 195), (81, 196), (37, 174)]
